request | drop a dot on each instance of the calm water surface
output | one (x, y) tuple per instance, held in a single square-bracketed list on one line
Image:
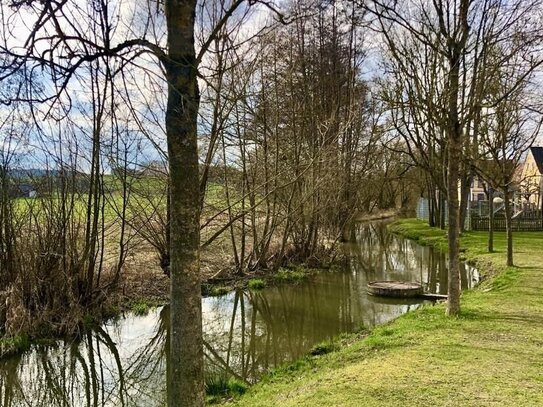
[(123, 363)]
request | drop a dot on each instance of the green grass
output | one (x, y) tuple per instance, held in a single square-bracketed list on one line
[(215, 195), (256, 284), (146, 195), (140, 307), (219, 386), (288, 275), (13, 345), (490, 355)]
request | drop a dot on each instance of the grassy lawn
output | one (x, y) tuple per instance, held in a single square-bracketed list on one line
[(492, 355)]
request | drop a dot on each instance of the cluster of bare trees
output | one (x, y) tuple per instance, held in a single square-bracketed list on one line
[(64, 237), (290, 137), (296, 136), (268, 132), (291, 144), (460, 93)]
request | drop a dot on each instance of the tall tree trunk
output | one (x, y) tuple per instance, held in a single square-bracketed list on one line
[(453, 302), (454, 136), (432, 205), (433, 202), (508, 224), (185, 370)]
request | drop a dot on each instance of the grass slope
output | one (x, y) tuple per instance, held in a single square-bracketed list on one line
[(492, 355)]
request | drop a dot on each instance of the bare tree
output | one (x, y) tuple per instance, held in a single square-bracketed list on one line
[(508, 131), (63, 47), (443, 94)]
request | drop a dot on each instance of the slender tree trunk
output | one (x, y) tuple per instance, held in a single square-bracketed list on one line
[(508, 225), (431, 212), (464, 200), (441, 210), (432, 206), (490, 220), (185, 370)]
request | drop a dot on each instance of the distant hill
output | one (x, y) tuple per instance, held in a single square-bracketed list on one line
[(31, 172)]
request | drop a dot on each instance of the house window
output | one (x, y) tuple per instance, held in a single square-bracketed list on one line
[(480, 197)]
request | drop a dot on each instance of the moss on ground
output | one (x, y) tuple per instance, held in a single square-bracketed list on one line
[(492, 354)]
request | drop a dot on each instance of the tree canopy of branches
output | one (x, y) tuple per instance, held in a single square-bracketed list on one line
[(441, 64)]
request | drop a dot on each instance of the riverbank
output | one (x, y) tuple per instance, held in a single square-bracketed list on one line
[(140, 292), (492, 354), (142, 285)]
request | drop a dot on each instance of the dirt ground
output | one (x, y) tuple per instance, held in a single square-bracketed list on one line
[(143, 279)]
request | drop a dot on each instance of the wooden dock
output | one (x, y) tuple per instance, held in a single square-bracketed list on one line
[(397, 289), (433, 297), (401, 289)]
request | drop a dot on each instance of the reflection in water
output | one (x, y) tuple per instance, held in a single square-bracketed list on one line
[(120, 364), (380, 255), (246, 332)]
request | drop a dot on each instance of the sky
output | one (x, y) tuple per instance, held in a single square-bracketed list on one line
[(142, 84)]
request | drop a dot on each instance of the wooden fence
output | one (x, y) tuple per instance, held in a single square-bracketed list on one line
[(518, 224)]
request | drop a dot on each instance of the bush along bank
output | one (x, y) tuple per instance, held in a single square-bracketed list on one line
[(262, 279)]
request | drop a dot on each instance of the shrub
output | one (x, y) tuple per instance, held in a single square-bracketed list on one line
[(140, 307), (218, 290), (219, 385), (13, 345), (256, 284), (286, 275)]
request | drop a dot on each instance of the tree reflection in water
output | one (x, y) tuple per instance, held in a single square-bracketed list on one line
[(383, 256), (246, 332)]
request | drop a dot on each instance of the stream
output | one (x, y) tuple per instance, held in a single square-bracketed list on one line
[(246, 333)]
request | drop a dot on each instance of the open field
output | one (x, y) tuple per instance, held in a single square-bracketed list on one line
[(492, 355), (145, 214)]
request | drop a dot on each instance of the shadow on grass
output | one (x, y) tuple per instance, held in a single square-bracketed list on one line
[(528, 267), (471, 315)]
